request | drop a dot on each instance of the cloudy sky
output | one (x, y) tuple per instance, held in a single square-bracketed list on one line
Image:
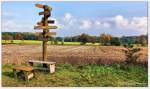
[(74, 18)]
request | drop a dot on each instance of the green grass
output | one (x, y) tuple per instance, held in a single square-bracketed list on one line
[(82, 76), (40, 42), (22, 41)]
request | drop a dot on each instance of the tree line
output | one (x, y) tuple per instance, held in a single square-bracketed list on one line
[(103, 39)]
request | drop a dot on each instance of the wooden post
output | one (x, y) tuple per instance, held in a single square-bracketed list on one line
[(15, 74), (44, 52), (45, 31), (44, 25)]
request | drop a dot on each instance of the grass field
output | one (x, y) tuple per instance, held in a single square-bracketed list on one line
[(77, 65), (82, 76), (40, 42)]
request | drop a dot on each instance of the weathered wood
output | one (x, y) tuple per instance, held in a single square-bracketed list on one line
[(39, 68), (31, 63), (44, 62), (51, 21), (45, 27), (52, 68), (39, 5), (24, 68), (15, 74), (40, 23), (47, 34), (45, 13), (51, 33), (31, 75), (51, 65)]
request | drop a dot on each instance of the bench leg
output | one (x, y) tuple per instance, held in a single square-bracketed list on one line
[(31, 63), (45, 65), (33, 71), (52, 68), (26, 77), (15, 74)]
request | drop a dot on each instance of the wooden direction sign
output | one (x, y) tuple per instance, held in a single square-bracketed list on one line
[(47, 34), (45, 27), (51, 33), (51, 21), (39, 5), (44, 13), (40, 23)]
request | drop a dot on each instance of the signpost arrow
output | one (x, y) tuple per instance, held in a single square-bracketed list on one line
[(50, 33), (51, 21), (40, 23), (39, 5), (47, 34), (45, 27)]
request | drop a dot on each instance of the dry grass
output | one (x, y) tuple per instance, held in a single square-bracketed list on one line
[(14, 53)]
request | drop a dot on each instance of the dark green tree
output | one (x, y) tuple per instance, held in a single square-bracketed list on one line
[(83, 39), (115, 41)]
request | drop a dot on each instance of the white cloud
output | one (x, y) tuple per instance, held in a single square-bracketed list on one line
[(68, 17), (72, 24), (11, 23), (67, 21), (120, 21), (99, 24), (139, 23), (131, 24), (86, 24), (13, 26), (106, 25)]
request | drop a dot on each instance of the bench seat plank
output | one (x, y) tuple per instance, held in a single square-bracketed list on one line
[(46, 62), (24, 68)]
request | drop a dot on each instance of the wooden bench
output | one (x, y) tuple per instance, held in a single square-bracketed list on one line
[(51, 65), (26, 71)]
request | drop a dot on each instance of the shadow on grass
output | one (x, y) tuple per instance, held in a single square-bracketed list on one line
[(8, 74)]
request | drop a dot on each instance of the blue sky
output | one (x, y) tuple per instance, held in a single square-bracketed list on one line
[(74, 18)]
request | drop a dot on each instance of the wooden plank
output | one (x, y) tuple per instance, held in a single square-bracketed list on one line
[(24, 68), (45, 27), (50, 33), (40, 23), (46, 62), (41, 68), (47, 34), (44, 13), (51, 21), (39, 5)]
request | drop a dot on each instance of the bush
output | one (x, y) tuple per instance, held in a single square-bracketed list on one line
[(129, 53)]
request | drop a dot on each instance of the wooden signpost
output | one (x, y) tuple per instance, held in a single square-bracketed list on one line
[(43, 24)]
